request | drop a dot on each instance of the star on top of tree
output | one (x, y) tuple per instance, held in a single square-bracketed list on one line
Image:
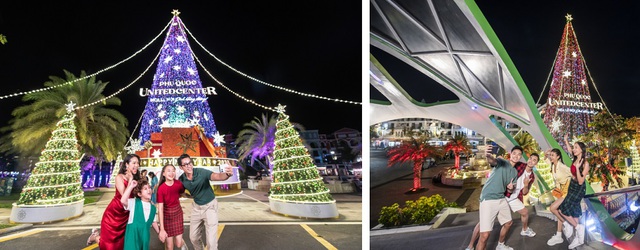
[(280, 108), (70, 106), (175, 12), (568, 17), (218, 139), (556, 124)]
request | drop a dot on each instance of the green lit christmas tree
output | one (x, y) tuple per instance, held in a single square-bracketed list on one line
[(295, 176), (56, 178)]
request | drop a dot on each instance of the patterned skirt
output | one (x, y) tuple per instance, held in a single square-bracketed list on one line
[(173, 220), (571, 204)]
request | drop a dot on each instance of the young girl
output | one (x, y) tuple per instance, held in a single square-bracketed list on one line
[(170, 211), (141, 215), (114, 218)]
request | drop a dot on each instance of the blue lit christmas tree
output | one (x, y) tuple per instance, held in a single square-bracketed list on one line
[(176, 98)]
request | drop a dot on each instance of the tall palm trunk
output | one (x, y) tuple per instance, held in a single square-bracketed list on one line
[(457, 157), (417, 175)]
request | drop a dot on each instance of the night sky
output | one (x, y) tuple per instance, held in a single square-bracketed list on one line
[(311, 47), (531, 32)]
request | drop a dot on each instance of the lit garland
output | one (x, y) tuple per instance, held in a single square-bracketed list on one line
[(56, 178), (91, 75), (178, 100), (295, 176), (634, 170), (260, 81)]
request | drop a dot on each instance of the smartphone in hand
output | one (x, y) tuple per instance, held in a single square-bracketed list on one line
[(494, 148)]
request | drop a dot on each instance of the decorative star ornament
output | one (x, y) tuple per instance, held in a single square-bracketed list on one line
[(175, 13), (569, 17), (168, 59), (191, 71), (177, 51), (187, 143), (574, 54), (70, 106), (218, 139), (176, 68), (566, 73), (156, 153), (556, 124), (162, 113), (180, 109), (280, 108), (180, 39)]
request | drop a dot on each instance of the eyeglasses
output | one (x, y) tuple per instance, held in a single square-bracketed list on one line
[(187, 164)]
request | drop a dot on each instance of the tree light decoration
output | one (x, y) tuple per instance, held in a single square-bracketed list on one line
[(295, 177), (176, 97), (569, 107), (56, 178), (634, 170)]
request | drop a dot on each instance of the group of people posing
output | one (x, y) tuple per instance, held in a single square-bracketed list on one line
[(128, 218), (511, 179)]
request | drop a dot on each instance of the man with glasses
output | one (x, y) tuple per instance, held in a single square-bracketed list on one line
[(204, 209)]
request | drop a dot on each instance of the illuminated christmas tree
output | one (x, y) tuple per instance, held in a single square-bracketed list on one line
[(634, 170), (295, 176), (176, 98), (56, 178), (569, 107)]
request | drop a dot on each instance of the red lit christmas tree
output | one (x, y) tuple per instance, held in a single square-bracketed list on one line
[(569, 106)]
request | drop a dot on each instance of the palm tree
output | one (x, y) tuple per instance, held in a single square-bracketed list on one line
[(458, 144), (416, 151), (526, 141), (257, 140), (101, 131)]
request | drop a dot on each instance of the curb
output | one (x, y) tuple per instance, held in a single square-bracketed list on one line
[(15, 228)]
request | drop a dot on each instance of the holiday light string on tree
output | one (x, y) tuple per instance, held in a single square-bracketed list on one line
[(633, 171), (176, 97), (295, 176), (56, 178), (569, 107)]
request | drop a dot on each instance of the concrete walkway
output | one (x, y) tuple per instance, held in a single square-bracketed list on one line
[(250, 206)]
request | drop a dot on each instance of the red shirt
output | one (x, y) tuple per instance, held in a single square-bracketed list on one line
[(170, 195)]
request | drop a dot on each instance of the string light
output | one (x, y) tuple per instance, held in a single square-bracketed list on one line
[(88, 76), (266, 83)]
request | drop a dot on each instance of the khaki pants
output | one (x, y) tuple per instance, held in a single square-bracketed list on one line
[(204, 216)]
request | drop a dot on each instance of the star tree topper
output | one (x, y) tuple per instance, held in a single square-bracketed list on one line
[(70, 106), (280, 108)]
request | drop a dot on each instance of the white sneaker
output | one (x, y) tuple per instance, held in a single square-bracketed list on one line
[(580, 233), (528, 232), (502, 246), (567, 229), (556, 239), (575, 243)]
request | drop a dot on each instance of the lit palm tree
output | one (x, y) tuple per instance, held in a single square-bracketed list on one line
[(416, 150), (458, 144), (101, 131), (527, 142), (257, 140)]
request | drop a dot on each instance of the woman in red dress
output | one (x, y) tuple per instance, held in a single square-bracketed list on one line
[(115, 217)]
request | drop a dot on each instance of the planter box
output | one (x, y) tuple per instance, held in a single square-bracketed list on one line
[(307, 210), (45, 214)]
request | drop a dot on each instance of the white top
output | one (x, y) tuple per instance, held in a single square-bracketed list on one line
[(146, 207), (519, 185)]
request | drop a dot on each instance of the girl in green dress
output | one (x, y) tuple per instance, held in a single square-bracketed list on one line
[(142, 215)]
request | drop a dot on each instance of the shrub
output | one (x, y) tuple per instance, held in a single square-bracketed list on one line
[(420, 211)]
